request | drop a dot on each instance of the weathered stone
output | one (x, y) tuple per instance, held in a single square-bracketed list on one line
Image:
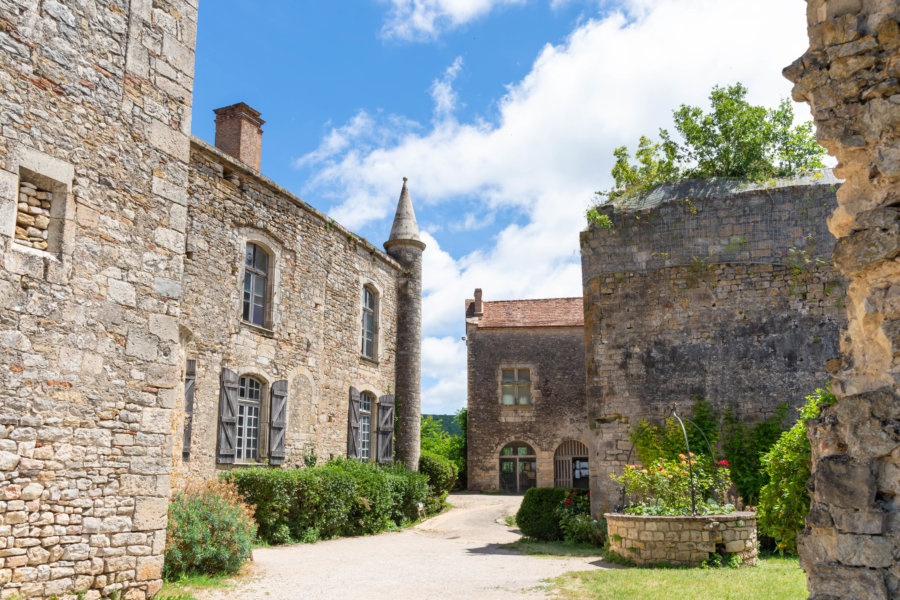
[(862, 521), (828, 581), (840, 481), (8, 460), (32, 491)]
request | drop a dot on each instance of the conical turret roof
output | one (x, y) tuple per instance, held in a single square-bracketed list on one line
[(405, 229)]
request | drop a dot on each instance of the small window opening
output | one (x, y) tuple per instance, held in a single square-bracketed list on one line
[(39, 212)]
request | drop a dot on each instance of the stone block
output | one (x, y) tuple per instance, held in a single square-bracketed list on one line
[(141, 345), (150, 513), (169, 140), (846, 582), (869, 522), (840, 481), (864, 550), (149, 568)]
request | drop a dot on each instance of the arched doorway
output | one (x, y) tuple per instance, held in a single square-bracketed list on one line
[(570, 465), (518, 468)]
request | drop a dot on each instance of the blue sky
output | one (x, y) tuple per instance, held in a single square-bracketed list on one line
[(502, 113)]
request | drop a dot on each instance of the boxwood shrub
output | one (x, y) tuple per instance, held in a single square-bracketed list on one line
[(341, 497), (537, 517), (441, 473)]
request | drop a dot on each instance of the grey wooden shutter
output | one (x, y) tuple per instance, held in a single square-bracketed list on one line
[(277, 421), (228, 408), (353, 425), (190, 376), (385, 450)]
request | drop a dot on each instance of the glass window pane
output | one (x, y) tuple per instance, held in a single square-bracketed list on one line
[(262, 260), (509, 394), (248, 257), (524, 393), (509, 375), (508, 451), (259, 286), (524, 375)]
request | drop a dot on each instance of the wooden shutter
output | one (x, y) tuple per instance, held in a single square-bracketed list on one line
[(277, 421), (353, 425), (385, 449), (228, 409), (190, 376)]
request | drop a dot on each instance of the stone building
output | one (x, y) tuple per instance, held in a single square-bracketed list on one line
[(527, 421), (714, 289), (165, 310)]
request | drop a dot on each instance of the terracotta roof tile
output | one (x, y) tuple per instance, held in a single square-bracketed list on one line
[(546, 312)]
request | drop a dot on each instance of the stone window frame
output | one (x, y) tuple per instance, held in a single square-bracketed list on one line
[(376, 334), (262, 451), (49, 173), (275, 250), (532, 381)]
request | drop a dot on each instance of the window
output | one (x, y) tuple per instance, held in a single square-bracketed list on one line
[(256, 285), (249, 408), (190, 377), (369, 322), (366, 400), (515, 387), (518, 468)]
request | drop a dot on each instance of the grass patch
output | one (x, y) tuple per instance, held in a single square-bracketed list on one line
[(772, 579), (180, 589), (510, 520), (540, 548)]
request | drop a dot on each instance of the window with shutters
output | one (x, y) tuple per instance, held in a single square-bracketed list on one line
[(370, 322), (366, 401), (248, 418), (257, 264), (515, 386)]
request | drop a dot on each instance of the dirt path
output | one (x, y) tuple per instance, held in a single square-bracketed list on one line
[(454, 555)]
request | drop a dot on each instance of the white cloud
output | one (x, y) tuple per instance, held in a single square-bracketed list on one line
[(442, 92), (550, 148), (426, 19), (444, 364)]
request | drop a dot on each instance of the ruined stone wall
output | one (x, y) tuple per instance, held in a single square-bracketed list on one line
[(849, 76), (555, 356), (95, 109), (313, 339), (703, 289)]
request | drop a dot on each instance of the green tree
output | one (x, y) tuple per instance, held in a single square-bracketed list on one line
[(436, 440), (734, 139)]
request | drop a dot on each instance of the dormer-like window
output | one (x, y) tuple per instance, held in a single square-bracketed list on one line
[(256, 285), (369, 323)]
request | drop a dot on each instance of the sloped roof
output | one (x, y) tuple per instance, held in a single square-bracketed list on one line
[(545, 312)]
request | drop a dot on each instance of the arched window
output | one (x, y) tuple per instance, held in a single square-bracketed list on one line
[(256, 285), (369, 322), (249, 408), (570, 465), (518, 468)]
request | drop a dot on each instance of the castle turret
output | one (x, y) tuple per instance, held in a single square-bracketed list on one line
[(405, 246)]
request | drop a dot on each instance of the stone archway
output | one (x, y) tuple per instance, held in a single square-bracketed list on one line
[(570, 465), (849, 76)]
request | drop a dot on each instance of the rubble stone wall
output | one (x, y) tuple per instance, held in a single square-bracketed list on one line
[(555, 356), (313, 340), (95, 108), (719, 290), (849, 75)]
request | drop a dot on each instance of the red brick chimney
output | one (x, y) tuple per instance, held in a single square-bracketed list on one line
[(239, 133)]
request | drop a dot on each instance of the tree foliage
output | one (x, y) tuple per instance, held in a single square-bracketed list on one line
[(436, 440), (734, 139)]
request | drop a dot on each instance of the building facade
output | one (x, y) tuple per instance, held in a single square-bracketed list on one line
[(527, 423), (166, 311)]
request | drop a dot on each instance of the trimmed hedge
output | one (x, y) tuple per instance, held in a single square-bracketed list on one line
[(441, 473), (537, 517), (341, 497)]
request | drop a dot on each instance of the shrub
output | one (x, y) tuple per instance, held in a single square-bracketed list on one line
[(341, 497), (210, 530), (784, 501), (441, 474), (575, 521), (537, 517)]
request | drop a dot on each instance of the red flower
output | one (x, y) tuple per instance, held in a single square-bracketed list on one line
[(660, 468), (722, 463), (568, 501)]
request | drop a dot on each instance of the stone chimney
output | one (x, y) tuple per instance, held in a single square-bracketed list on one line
[(479, 307), (239, 133)]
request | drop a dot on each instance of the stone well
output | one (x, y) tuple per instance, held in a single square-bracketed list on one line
[(682, 540)]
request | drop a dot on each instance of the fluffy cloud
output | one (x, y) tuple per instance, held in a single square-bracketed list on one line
[(535, 167), (426, 19)]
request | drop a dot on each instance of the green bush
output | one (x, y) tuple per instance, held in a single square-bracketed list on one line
[(575, 521), (341, 497), (210, 531), (441, 474), (784, 501), (537, 517)]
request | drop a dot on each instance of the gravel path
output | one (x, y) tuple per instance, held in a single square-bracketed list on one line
[(453, 555)]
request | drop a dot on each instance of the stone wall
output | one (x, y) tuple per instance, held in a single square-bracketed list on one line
[(713, 289), (849, 76), (689, 541), (96, 109), (555, 356), (313, 338)]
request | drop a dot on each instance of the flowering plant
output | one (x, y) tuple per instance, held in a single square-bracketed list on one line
[(664, 487), (574, 513)]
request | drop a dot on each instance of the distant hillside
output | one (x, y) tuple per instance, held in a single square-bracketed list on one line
[(447, 422)]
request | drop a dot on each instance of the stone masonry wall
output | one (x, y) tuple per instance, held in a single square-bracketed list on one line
[(697, 295), (96, 108), (849, 75), (682, 540), (314, 341), (555, 356)]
